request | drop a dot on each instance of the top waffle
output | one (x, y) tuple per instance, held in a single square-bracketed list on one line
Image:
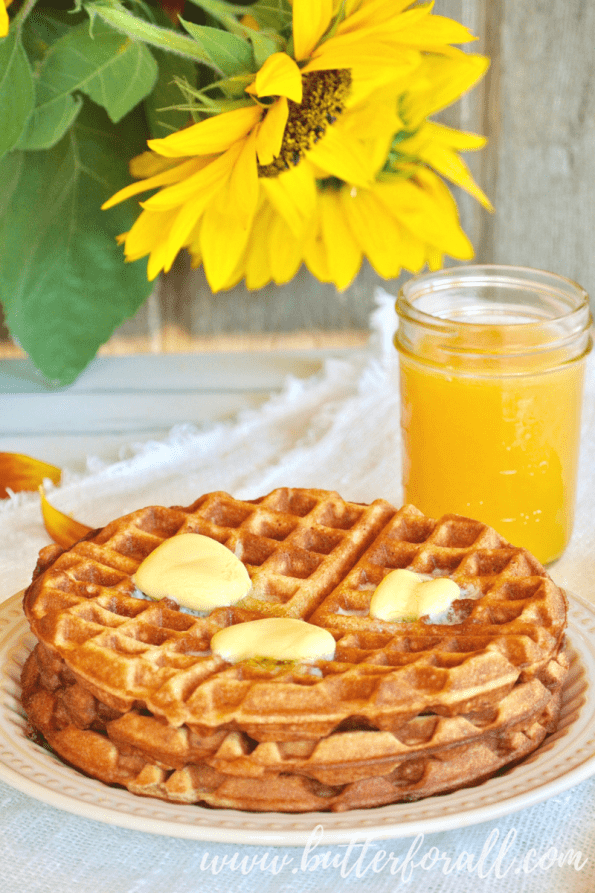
[(314, 556)]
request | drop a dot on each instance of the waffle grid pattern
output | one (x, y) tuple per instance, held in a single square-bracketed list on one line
[(314, 556)]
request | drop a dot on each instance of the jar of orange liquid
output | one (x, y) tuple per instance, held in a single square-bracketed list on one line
[(491, 371)]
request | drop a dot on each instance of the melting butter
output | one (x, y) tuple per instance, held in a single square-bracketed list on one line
[(276, 638), (404, 596), (196, 571)]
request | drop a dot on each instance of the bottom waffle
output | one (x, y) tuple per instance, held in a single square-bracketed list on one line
[(352, 768)]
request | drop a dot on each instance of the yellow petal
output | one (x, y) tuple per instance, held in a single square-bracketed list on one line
[(158, 260), (344, 254), (225, 227), (349, 162), (285, 251), (148, 164), (243, 183), (279, 76), (416, 27), (223, 240), (338, 53), (164, 178), (311, 19), (271, 130), (382, 239), (4, 21), (433, 144), (63, 529), (315, 258), (373, 12), (293, 195), (434, 32), (148, 230), (440, 80), (19, 472), (196, 203), (425, 207), (211, 136), (197, 185), (257, 264)]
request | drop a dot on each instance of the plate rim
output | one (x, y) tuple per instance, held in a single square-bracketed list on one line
[(266, 829)]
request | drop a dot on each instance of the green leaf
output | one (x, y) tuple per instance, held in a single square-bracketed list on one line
[(228, 53), (262, 46), (274, 14), (161, 117), (17, 93), (270, 14), (112, 70), (112, 12), (65, 285), (264, 43), (40, 31), (49, 122)]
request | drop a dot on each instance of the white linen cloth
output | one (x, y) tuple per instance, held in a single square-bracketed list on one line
[(338, 430)]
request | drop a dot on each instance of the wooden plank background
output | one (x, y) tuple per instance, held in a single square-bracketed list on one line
[(536, 106)]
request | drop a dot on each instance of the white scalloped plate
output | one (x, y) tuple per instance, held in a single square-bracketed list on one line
[(563, 760)]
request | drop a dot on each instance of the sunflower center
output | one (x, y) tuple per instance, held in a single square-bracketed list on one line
[(323, 100)]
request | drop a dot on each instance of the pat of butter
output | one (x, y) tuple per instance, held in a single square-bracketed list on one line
[(196, 571), (404, 596), (276, 638)]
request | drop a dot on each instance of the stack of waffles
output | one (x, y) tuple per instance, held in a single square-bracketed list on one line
[(128, 691)]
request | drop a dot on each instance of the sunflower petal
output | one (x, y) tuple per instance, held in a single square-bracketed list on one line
[(270, 132), (366, 57), (425, 207), (196, 184), (148, 230), (372, 12), (349, 162), (224, 232), (63, 529), (440, 80), (257, 264), (222, 242), (435, 145), (148, 164), (381, 237), (19, 472), (163, 178), (342, 249), (293, 195), (285, 251), (279, 76), (315, 257), (311, 19), (4, 21), (210, 136), (197, 202), (243, 182)]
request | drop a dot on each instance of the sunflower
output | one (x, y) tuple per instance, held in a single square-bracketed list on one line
[(406, 218), (306, 169)]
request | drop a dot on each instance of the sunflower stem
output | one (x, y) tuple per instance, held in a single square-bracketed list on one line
[(23, 13), (138, 29)]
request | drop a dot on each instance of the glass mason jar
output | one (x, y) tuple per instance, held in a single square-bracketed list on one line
[(491, 370)]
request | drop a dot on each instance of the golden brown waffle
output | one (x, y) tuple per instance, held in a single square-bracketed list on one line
[(428, 754), (313, 556)]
